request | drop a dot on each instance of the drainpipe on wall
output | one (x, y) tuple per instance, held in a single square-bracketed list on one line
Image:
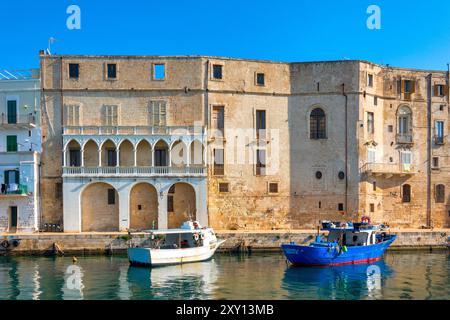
[(429, 150), (346, 147)]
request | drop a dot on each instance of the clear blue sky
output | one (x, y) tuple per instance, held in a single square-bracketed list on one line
[(414, 33)]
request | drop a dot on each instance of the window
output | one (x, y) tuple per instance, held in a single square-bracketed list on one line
[(319, 175), (217, 71), (74, 158), (74, 70), (317, 124), (72, 115), (111, 196), (58, 190), (224, 187), (111, 70), (374, 184), (341, 207), (390, 128), (111, 155), (375, 101), (370, 80), (260, 81), (409, 86), (371, 156), (12, 177), (218, 162), (406, 158), (260, 124), (435, 162), (12, 111), (218, 119), (11, 143), (341, 175), (158, 113), (439, 132), (404, 117), (110, 115), (159, 71), (372, 207), (370, 123), (406, 193), (273, 187), (440, 193), (260, 162), (440, 90)]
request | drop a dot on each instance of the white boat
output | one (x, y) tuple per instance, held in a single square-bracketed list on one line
[(190, 243)]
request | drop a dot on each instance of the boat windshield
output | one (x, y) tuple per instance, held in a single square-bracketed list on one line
[(177, 241)]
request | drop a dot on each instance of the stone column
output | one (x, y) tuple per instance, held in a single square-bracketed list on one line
[(201, 198), (72, 206), (162, 210), (117, 157), (100, 157), (82, 157), (135, 156), (65, 157), (124, 208)]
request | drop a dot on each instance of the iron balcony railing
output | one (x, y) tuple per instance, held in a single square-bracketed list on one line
[(14, 189), (26, 119), (388, 168), (439, 140), (132, 130), (133, 171), (403, 138)]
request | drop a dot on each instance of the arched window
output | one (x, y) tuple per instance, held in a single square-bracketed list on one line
[(406, 193), (317, 124), (440, 193), (404, 116)]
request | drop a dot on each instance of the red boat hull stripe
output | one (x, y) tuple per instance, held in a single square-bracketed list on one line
[(338, 263)]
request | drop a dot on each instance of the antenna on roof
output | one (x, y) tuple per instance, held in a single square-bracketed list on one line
[(51, 40)]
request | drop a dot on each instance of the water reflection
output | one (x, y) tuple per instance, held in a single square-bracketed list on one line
[(413, 275), (342, 282)]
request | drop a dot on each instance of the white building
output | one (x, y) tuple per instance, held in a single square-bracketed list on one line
[(20, 148)]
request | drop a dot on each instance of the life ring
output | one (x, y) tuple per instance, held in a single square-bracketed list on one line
[(366, 219), (5, 244), (196, 237)]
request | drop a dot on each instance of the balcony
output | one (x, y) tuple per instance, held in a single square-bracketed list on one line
[(14, 190), (403, 138), (27, 121), (134, 172), (132, 130), (388, 170)]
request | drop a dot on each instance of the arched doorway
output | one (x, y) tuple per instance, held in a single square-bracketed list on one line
[(143, 207), (99, 208), (180, 204), (73, 154)]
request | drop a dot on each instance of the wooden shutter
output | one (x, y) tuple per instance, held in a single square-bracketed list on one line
[(436, 91), (413, 86), (400, 86), (162, 116)]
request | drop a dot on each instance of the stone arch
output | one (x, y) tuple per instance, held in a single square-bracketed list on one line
[(144, 154), (109, 153), (99, 208), (73, 153), (178, 154), (143, 207), (126, 153), (181, 204), (90, 153), (197, 153)]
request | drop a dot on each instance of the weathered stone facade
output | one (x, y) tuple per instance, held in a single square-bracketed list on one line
[(356, 165)]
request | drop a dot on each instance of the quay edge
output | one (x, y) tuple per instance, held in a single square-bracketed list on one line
[(237, 241)]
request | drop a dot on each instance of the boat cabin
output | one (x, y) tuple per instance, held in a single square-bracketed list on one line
[(352, 237)]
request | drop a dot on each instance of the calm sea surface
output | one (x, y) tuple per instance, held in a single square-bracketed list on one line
[(402, 275)]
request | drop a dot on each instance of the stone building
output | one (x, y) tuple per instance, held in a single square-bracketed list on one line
[(20, 147), (134, 142)]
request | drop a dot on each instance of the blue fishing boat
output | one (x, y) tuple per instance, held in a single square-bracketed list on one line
[(349, 243)]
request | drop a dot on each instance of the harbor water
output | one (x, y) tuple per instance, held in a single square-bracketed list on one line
[(401, 275)]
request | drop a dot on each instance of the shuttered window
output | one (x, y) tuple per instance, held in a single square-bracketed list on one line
[(440, 193), (72, 115), (110, 115), (260, 162), (158, 113), (11, 143)]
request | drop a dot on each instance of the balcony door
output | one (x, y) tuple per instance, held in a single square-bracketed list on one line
[(111, 157), (13, 219), (12, 111), (160, 157)]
